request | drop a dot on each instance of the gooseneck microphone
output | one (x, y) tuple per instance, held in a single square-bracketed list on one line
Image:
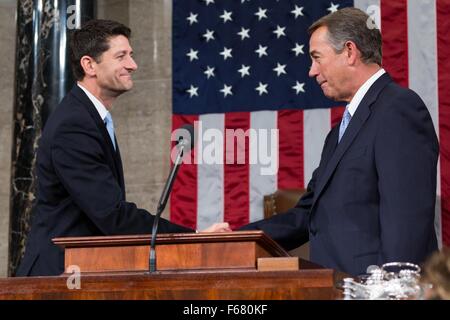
[(184, 138)]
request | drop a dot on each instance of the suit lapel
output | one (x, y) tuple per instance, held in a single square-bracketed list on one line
[(357, 122), (114, 156)]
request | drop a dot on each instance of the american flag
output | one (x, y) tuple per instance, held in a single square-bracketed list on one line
[(243, 64)]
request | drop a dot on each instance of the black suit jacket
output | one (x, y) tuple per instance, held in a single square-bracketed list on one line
[(81, 190), (372, 198)]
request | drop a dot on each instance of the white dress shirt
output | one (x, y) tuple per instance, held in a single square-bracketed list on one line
[(359, 95), (101, 109)]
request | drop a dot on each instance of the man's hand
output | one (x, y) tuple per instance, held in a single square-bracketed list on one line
[(218, 227)]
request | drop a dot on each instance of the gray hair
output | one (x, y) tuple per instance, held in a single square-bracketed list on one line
[(352, 24)]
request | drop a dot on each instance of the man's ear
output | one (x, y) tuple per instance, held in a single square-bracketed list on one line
[(352, 52), (88, 64)]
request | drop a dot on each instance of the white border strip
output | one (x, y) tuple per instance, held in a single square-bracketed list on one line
[(210, 198), (261, 185), (423, 74)]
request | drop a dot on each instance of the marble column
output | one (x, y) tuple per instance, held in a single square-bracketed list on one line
[(43, 77)]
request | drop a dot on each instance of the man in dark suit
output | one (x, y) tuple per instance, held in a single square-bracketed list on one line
[(81, 189), (372, 198)]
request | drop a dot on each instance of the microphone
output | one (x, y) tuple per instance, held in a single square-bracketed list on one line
[(184, 138)]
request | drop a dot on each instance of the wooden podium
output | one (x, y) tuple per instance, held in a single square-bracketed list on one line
[(174, 252), (189, 267)]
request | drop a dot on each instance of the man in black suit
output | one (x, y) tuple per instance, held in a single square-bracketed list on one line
[(81, 190), (372, 198)]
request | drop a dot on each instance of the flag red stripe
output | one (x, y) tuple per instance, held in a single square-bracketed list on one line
[(291, 155), (394, 27), (443, 46), (183, 202), (236, 173), (336, 115)]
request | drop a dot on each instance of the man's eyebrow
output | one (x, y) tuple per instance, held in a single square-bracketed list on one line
[(314, 53)]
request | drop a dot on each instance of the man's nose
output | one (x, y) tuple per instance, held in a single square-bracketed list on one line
[(132, 65), (313, 70)]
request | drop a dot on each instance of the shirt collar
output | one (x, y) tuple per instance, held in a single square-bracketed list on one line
[(101, 109), (359, 95)]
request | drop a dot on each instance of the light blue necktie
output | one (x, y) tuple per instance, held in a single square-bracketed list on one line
[(344, 123), (110, 127)]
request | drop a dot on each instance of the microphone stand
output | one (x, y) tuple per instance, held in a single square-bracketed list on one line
[(162, 204)]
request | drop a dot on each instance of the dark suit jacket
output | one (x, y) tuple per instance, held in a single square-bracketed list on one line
[(372, 198), (81, 189)]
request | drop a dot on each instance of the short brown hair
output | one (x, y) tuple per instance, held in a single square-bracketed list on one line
[(92, 40), (437, 273), (352, 24)]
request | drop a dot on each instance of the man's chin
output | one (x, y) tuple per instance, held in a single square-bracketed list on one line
[(126, 87), (333, 97), (124, 84), (329, 95), (121, 90)]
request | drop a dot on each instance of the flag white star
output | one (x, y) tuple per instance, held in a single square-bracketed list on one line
[(192, 54), (280, 69), (208, 2), (261, 88), (209, 72), (244, 70), (280, 31), (209, 35), (298, 87), (333, 7), (242, 1), (244, 33), (226, 90), (226, 53), (297, 11), (226, 16), (261, 13), (193, 91), (192, 18), (261, 51), (298, 49)]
